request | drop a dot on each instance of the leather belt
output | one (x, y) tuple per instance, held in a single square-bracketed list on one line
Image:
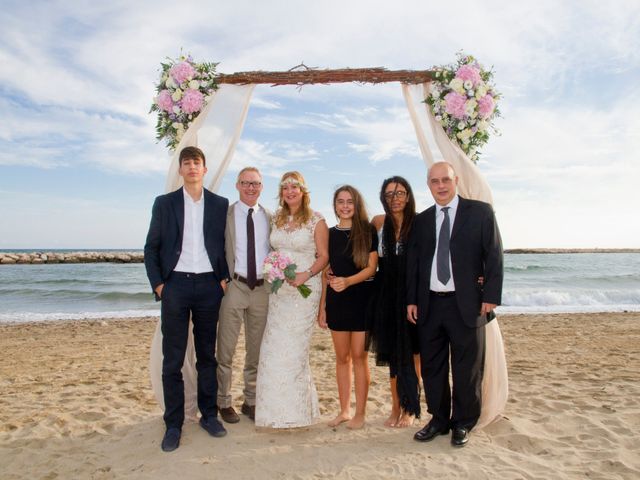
[(195, 276), (442, 294), (240, 278)]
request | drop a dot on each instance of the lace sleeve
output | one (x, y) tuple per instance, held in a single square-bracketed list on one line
[(317, 217)]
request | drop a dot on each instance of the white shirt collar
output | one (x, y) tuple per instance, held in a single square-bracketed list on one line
[(453, 204), (245, 208), (189, 198)]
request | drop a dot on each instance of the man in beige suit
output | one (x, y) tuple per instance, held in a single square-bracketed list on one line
[(247, 297)]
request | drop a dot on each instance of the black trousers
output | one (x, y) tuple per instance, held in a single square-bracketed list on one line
[(199, 295), (443, 333)]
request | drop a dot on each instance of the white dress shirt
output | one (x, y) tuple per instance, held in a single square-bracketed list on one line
[(435, 284), (193, 255), (261, 230)]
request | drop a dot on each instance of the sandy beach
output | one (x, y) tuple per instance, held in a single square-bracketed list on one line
[(76, 402)]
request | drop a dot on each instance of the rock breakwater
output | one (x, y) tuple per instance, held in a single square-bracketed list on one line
[(36, 258)]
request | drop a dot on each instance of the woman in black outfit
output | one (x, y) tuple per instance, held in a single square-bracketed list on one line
[(353, 258), (391, 336)]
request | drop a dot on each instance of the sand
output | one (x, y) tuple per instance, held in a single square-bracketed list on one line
[(76, 402)]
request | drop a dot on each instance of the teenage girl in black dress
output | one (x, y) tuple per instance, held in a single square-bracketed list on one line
[(353, 258)]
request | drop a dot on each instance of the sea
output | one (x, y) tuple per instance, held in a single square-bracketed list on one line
[(534, 283)]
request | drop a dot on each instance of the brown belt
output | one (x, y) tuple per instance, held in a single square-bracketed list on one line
[(240, 278)]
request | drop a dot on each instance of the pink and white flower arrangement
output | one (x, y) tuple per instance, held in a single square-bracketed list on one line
[(463, 99), (183, 90), (278, 267)]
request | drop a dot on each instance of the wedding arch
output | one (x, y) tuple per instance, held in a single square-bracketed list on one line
[(217, 128)]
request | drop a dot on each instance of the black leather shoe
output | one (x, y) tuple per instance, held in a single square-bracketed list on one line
[(249, 410), (229, 415), (213, 426), (171, 439), (428, 433), (459, 437)]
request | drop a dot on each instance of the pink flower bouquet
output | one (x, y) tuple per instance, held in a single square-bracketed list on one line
[(463, 100), (276, 268), (181, 94)]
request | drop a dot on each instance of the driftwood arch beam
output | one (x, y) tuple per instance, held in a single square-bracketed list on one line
[(303, 75)]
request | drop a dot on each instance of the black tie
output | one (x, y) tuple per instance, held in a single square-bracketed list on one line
[(251, 251), (442, 256)]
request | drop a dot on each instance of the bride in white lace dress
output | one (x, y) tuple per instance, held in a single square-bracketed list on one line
[(285, 393)]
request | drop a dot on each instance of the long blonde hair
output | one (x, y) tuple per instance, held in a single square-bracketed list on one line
[(304, 214)]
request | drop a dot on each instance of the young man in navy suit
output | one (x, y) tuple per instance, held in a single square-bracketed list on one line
[(452, 246), (185, 262)]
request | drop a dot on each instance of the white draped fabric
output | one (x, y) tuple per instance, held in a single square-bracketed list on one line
[(472, 185), (216, 131)]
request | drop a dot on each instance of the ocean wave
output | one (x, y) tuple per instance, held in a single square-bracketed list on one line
[(528, 268), (24, 317), (79, 295), (570, 298)]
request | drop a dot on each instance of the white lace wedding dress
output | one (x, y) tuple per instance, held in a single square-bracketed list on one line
[(285, 393)]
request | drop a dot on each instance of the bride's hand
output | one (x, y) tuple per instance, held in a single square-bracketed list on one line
[(301, 277)]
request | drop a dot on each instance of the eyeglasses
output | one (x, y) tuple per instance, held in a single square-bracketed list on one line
[(400, 194), (245, 184)]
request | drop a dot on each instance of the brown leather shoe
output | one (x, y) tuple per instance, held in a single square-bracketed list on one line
[(229, 415), (249, 410)]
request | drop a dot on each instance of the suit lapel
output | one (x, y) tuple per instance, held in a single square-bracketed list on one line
[(431, 224), (206, 212), (178, 210), (231, 225), (462, 215), (269, 216)]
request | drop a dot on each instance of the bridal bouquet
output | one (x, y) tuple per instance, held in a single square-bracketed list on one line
[(276, 268), (463, 100), (184, 89)]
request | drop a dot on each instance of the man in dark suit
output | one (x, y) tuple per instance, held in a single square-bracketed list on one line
[(185, 262), (454, 282)]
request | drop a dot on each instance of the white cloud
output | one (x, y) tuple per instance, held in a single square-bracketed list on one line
[(78, 79)]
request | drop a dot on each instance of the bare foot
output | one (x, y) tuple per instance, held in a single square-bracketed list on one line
[(356, 422), (343, 417), (392, 420), (405, 420)]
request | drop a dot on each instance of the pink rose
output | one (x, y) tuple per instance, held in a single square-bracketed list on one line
[(282, 265), (454, 104), (164, 101), (192, 101), (181, 72), (469, 73), (486, 105)]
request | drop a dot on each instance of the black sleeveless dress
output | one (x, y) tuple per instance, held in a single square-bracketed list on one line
[(347, 310)]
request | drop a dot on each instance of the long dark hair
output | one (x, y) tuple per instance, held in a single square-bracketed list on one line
[(360, 236), (408, 214)]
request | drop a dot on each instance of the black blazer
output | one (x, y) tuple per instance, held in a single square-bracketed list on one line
[(164, 240), (476, 251)]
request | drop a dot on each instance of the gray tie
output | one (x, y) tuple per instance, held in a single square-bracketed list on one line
[(442, 255)]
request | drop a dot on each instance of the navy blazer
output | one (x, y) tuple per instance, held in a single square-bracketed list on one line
[(164, 240), (476, 251)]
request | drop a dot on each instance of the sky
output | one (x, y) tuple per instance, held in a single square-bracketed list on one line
[(80, 166)]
